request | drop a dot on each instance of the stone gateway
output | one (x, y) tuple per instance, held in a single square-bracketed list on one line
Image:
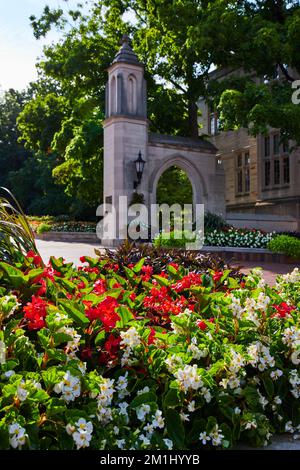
[(126, 134)]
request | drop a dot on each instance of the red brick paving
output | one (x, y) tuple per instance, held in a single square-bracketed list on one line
[(270, 270)]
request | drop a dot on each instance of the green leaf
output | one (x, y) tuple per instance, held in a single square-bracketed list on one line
[(143, 398), (100, 337), (162, 281), (74, 313), (172, 398), (15, 276), (269, 385), (129, 273), (175, 428), (137, 268), (68, 285), (125, 316)]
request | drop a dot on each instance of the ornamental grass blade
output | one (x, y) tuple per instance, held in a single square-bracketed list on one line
[(16, 235)]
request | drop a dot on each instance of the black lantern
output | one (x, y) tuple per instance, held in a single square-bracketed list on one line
[(139, 166)]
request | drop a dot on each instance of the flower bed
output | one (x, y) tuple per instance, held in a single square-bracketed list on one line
[(226, 237), (145, 355)]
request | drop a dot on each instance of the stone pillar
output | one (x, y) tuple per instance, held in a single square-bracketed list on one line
[(125, 130)]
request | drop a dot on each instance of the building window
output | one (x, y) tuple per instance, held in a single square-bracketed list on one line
[(267, 173), (276, 164), (286, 170), (243, 173), (213, 123), (267, 147)]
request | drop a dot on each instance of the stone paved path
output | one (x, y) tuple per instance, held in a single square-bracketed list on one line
[(270, 270), (73, 251)]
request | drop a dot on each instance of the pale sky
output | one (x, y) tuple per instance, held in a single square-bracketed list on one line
[(18, 47)]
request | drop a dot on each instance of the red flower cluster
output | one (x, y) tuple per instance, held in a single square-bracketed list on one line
[(283, 309), (35, 313), (104, 311), (161, 302), (99, 287), (147, 273), (37, 260), (111, 348), (186, 282), (217, 276)]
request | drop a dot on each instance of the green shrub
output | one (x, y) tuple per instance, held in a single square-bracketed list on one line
[(43, 228), (173, 239), (287, 245), (214, 222)]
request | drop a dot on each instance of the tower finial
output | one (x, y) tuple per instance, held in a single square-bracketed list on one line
[(125, 40)]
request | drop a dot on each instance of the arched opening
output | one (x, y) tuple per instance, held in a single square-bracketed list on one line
[(175, 189), (113, 96), (132, 98)]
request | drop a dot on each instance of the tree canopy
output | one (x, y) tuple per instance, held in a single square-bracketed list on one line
[(180, 42)]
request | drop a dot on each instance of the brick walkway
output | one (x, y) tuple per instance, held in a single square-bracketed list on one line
[(271, 270)]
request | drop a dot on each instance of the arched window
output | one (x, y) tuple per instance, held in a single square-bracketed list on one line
[(132, 94), (113, 96)]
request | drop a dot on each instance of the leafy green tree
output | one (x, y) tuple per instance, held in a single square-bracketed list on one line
[(12, 153)]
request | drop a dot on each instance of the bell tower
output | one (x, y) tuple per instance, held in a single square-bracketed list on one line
[(125, 128)]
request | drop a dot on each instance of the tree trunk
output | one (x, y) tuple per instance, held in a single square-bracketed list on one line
[(193, 119)]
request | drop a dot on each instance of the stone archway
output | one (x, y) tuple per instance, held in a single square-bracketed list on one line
[(193, 174)]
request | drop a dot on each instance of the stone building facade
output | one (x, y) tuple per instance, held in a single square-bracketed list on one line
[(262, 176)]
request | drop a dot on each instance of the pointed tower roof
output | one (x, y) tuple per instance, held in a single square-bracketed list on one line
[(126, 53)]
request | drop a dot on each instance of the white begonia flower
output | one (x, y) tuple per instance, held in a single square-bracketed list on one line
[(191, 406), (9, 373), (260, 356), (84, 426), (130, 338), (277, 400), (251, 424), (168, 443), (82, 367), (289, 427), (122, 382), (158, 421), (149, 429), (275, 374), (123, 408), (104, 415), (82, 439), (263, 301), (184, 416), (196, 352), (22, 393), (69, 387), (204, 438), (206, 394), (121, 443), (17, 435), (290, 278), (144, 390), (116, 430), (295, 357), (237, 410), (235, 307), (188, 378), (291, 337), (173, 362), (142, 411), (145, 440), (70, 429), (59, 317), (216, 436)]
